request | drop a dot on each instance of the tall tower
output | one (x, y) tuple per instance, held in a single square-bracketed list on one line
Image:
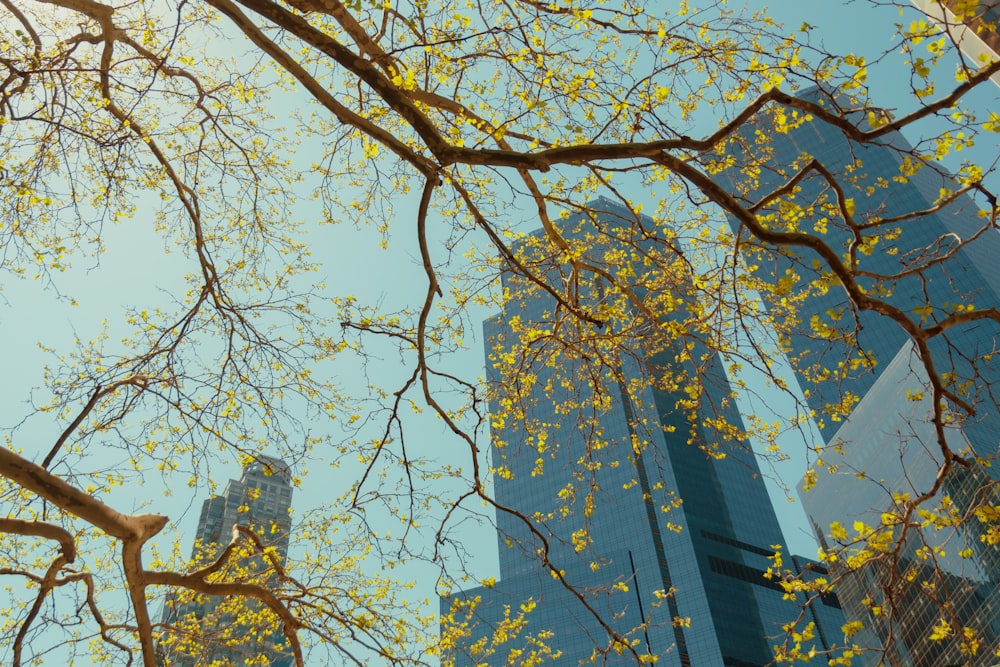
[(887, 446), (895, 199), (260, 500), (864, 380), (664, 542)]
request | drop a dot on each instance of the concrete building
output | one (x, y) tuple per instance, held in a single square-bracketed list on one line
[(260, 500)]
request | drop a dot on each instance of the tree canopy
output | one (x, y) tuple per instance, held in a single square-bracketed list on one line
[(244, 139)]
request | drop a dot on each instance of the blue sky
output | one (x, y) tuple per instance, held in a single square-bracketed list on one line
[(136, 273)]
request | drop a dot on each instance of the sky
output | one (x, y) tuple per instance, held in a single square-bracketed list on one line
[(135, 271)]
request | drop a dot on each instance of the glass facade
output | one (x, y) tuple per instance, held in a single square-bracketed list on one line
[(677, 540), (839, 352), (906, 217), (887, 447), (261, 500)]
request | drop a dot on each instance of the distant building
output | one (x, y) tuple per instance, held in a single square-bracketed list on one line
[(260, 500), (865, 364), (678, 540)]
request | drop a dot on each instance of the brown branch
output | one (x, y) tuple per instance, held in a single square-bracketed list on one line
[(582, 153), (393, 420), (136, 580), (512, 259), (857, 134), (342, 113), (49, 531), (27, 25), (559, 575), (133, 530), (103, 14), (459, 110), (962, 318), (939, 206), (195, 582), (366, 71), (855, 293), (99, 392), (47, 584), (88, 580), (366, 44), (34, 478)]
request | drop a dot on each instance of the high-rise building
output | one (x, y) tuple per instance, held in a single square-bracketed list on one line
[(865, 383), (260, 500), (838, 354), (887, 446), (659, 527)]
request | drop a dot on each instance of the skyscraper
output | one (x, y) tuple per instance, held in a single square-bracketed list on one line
[(887, 447), (655, 524), (259, 500), (895, 198), (923, 250)]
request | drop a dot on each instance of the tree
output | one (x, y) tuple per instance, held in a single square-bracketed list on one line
[(215, 121)]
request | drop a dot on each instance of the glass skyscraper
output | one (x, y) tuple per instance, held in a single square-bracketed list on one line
[(865, 383), (259, 500), (667, 543), (838, 353), (887, 446)]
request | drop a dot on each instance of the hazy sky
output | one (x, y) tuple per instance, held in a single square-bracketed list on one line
[(135, 270)]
